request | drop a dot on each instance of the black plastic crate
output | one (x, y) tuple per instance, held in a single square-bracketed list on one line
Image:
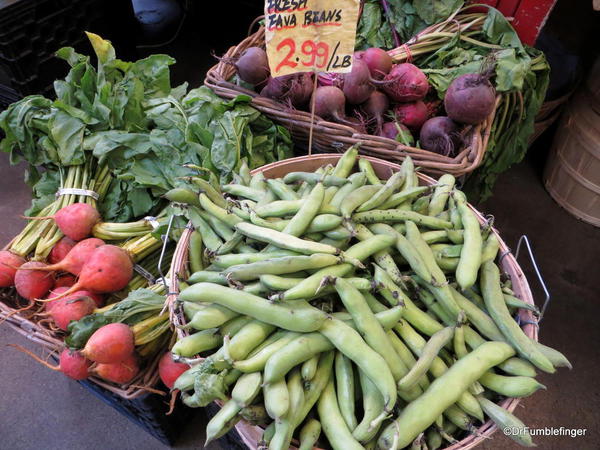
[(148, 412), (31, 31), (7, 96)]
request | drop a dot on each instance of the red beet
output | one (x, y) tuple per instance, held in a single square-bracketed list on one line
[(32, 283), (75, 221), (329, 79), (470, 98), (71, 363), (441, 135), (71, 307), (9, 263), (77, 257), (108, 269), (390, 130), (66, 280), (169, 370), (110, 344), (54, 293), (252, 65), (295, 88), (378, 61), (357, 85), (97, 298), (121, 372), (74, 364), (330, 103), (398, 132), (413, 115), (405, 83), (375, 107), (60, 250)]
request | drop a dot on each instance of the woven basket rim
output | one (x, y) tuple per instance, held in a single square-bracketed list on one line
[(249, 433), (327, 134)]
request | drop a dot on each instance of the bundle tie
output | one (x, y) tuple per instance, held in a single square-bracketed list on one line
[(77, 191), (152, 221)]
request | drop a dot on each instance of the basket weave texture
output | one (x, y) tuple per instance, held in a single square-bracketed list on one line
[(330, 135), (251, 434)]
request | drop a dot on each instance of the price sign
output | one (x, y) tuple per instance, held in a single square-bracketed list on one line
[(310, 35)]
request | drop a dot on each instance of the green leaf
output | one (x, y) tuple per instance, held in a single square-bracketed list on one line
[(141, 201), (511, 70), (432, 11), (71, 56), (228, 140), (153, 72), (81, 330), (499, 31), (373, 30)]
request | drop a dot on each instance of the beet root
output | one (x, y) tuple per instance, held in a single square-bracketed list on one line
[(379, 62), (295, 89), (357, 85), (71, 307), (32, 283), (75, 221), (330, 103), (470, 99), (66, 280), (405, 83), (74, 364), (79, 255), (108, 269), (52, 296), (253, 66), (413, 115), (169, 370), (60, 250), (110, 344), (375, 107), (121, 372), (9, 263), (397, 132), (440, 135)]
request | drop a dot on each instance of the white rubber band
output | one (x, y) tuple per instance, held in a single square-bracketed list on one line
[(166, 281), (152, 221), (77, 191)]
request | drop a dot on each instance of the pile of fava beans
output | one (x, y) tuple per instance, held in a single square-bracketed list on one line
[(342, 311)]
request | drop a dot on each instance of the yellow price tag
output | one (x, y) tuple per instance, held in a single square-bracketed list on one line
[(310, 35)]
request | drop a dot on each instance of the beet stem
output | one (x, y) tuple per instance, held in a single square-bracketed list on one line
[(172, 402), (388, 14), (36, 217), (149, 389)]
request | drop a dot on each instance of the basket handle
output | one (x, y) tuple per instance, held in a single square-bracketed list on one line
[(165, 240), (525, 239), (254, 22)]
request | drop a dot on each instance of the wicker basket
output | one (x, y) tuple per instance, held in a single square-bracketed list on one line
[(27, 324), (330, 135), (251, 434)]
